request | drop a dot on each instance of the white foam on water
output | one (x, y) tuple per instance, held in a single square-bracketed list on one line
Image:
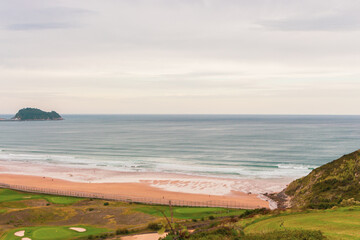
[(163, 165), (297, 166)]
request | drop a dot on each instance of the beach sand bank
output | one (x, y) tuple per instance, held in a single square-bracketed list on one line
[(133, 190)]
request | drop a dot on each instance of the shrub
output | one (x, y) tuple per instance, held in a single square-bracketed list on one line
[(253, 212), (233, 219), (227, 233), (122, 231), (288, 234), (106, 203), (220, 233), (154, 226), (349, 202), (211, 217), (213, 224), (103, 235)]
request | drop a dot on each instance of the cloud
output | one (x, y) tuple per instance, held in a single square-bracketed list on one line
[(327, 16), (130, 50), (326, 23), (38, 26), (41, 18)]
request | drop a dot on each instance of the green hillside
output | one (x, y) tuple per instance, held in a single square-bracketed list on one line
[(335, 183), (338, 223)]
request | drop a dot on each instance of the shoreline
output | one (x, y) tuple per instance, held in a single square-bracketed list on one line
[(160, 186), (134, 191), (178, 182)]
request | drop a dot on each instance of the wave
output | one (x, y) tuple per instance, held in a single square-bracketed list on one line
[(297, 166), (164, 165)]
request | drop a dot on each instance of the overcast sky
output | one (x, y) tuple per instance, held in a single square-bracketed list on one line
[(180, 56)]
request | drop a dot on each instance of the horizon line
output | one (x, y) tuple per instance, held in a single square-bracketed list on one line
[(219, 114)]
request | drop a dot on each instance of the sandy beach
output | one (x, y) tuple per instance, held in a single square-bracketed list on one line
[(131, 190), (136, 185)]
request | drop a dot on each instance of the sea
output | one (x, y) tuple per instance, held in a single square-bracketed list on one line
[(231, 146)]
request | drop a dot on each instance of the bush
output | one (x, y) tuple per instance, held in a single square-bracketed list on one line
[(211, 217), (233, 219), (349, 202), (106, 203), (226, 233), (104, 235), (220, 233), (194, 220), (90, 209), (154, 226), (214, 224), (289, 234), (251, 213), (122, 231)]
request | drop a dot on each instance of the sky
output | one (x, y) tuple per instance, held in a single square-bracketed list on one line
[(180, 56)]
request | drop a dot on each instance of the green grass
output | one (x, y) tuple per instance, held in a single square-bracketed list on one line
[(188, 212), (62, 200), (341, 223), (7, 195), (53, 233), (328, 185)]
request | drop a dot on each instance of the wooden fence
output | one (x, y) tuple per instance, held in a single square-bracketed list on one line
[(122, 198)]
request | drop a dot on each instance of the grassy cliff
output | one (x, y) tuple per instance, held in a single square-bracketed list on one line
[(335, 183)]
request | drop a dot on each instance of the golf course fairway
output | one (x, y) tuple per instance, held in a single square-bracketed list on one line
[(339, 223), (53, 233)]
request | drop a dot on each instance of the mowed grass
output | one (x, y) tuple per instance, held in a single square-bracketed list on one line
[(7, 195), (188, 212), (53, 233), (341, 223)]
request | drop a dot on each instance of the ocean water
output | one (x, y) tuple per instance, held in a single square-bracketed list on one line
[(231, 146)]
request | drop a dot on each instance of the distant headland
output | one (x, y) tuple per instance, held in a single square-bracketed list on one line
[(33, 114)]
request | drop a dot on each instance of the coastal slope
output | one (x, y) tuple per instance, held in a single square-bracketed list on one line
[(334, 183)]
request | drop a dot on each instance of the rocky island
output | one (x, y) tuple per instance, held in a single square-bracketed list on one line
[(28, 114)]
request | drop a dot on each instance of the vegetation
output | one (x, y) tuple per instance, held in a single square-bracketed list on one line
[(36, 114), (189, 212), (58, 213), (337, 223), (7, 195), (227, 233), (329, 185), (54, 232), (286, 234), (327, 201)]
